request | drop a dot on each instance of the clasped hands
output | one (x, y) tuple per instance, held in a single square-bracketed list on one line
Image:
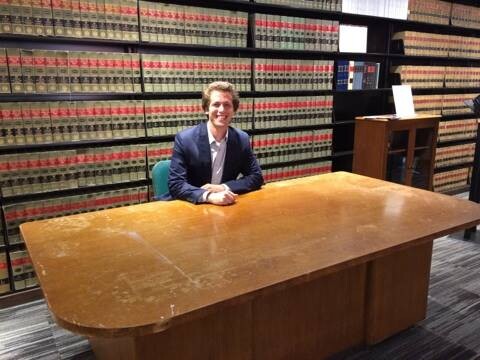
[(219, 195)]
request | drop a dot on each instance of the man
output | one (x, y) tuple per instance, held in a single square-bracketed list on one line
[(207, 159)]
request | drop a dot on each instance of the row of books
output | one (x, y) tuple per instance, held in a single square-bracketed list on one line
[(286, 32), (50, 71), (465, 16), (296, 171), (100, 19), (156, 153), (429, 44), (327, 5), (166, 73), (170, 23), (447, 104), (22, 270), (436, 76), (167, 117), (357, 75), (65, 121), (292, 146), (46, 171), (457, 130), (430, 11), (68, 121), (443, 12), (18, 213), (29, 173), (395, 9), (280, 74), (451, 180), (454, 155), (292, 111)]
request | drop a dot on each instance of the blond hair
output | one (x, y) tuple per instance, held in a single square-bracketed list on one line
[(220, 86)]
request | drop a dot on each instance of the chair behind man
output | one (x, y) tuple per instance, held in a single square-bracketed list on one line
[(160, 178)]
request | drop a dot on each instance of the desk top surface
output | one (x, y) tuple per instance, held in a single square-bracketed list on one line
[(141, 269)]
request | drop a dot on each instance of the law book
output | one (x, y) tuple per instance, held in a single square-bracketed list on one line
[(150, 118), (10, 125), (41, 122), (106, 72), (191, 24), (58, 70), (25, 6), (15, 70), (29, 273), (17, 133), (28, 72), (51, 73), (116, 119), (84, 19), (124, 156), (4, 278), (36, 10), (93, 18), (97, 19), (129, 119), (124, 19), (40, 70), (57, 121), (119, 78), (16, 17), (232, 33), (61, 17), (47, 17), (24, 124), (5, 18), (144, 9), (109, 14), (16, 262), (100, 123), (261, 29)]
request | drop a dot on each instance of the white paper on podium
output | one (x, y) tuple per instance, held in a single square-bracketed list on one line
[(403, 99)]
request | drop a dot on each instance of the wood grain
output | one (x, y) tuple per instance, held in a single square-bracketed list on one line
[(145, 269)]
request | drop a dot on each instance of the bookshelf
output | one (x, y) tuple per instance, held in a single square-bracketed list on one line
[(329, 133)]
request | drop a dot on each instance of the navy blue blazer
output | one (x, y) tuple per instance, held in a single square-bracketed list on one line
[(191, 165)]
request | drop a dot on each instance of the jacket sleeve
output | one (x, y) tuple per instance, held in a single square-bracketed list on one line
[(177, 180), (251, 178)]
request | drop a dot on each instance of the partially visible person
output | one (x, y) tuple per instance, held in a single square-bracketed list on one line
[(213, 162)]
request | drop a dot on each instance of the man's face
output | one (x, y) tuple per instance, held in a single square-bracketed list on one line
[(220, 110)]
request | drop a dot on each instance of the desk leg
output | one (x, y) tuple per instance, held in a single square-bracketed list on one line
[(224, 334), (397, 290), (312, 320)]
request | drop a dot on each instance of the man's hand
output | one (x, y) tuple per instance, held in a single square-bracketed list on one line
[(225, 197), (214, 188)]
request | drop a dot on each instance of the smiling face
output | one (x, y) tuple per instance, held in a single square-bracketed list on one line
[(220, 110)]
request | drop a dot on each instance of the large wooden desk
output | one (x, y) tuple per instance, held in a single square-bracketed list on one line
[(299, 270)]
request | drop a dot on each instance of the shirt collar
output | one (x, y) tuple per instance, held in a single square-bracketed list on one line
[(212, 139)]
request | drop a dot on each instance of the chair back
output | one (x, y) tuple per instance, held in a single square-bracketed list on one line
[(160, 178)]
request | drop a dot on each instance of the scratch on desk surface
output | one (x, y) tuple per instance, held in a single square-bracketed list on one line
[(135, 236)]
